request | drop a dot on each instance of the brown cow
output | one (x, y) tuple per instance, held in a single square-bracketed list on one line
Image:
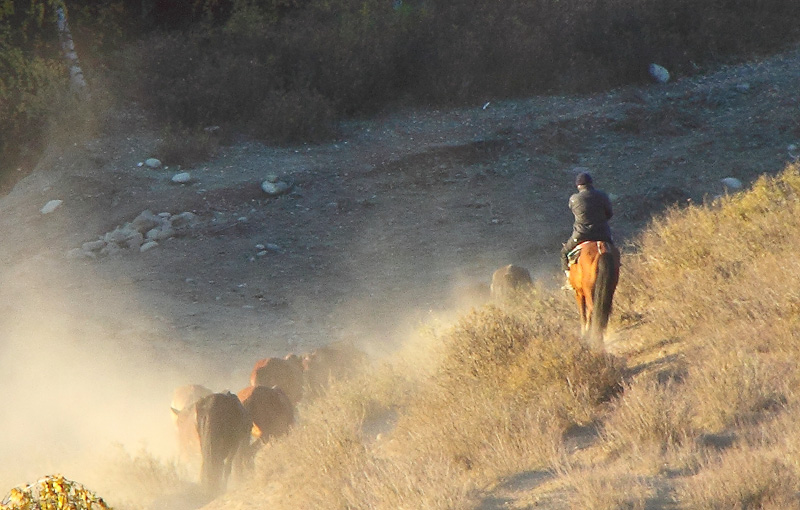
[(509, 279), (223, 426), (331, 362), (285, 373), (184, 417)]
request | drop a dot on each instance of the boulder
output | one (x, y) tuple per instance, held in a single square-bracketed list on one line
[(149, 245), (731, 183), (659, 73), (51, 206), (274, 188), (182, 178), (146, 220), (153, 163), (184, 219)]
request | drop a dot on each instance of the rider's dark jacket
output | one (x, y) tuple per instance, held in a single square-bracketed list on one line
[(592, 210)]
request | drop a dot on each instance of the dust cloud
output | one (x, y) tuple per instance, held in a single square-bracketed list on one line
[(85, 378)]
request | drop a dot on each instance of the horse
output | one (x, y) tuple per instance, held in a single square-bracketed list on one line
[(285, 373), (184, 417), (594, 276), (272, 413), (223, 426)]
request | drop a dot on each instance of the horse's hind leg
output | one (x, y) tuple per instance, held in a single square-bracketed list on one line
[(582, 309)]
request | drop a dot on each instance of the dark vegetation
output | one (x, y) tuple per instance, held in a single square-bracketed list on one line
[(286, 71)]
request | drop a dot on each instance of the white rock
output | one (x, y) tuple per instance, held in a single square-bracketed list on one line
[(135, 242), (146, 221), (262, 253), (153, 162), (110, 249), (260, 247), (182, 178), (149, 245), (184, 219), (659, 73), (274, 188), (51, 206), (731, 183), (160, 234), (79, 254), (791, 148), (93, 245), (120, 235)]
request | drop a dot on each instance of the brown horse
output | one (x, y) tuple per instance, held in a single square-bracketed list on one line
[(285, 373), (223, 427), (594, 277)]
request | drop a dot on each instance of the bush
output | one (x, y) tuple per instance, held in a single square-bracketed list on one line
[(31, 90), (181, 146)]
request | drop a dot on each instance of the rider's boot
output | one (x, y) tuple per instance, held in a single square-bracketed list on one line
[(567, 285)]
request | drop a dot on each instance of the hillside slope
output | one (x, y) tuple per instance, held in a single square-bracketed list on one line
[(404, 217)]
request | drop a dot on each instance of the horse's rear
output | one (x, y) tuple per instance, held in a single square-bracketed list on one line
[(223, 426), (594, 278)]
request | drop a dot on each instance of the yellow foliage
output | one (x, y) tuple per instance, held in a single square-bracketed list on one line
[(53, 493)]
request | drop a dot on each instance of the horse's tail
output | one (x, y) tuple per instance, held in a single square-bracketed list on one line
[(604, 287)]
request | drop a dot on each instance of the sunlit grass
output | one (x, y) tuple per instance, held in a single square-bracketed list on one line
[(696, 410)]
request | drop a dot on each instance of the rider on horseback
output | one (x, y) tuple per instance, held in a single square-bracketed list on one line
[(592, 210)]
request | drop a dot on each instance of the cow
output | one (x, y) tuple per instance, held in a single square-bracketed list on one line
[(184, 417), (285, 373), (507, 280), (331, 362), (223, 426)]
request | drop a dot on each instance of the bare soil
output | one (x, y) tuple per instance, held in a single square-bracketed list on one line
[(403, 216)]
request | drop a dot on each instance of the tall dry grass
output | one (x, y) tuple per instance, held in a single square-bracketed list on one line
[(698, 409), (465, 405), (717, 281)]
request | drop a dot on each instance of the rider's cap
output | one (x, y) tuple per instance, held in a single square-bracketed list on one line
[(583, 178)]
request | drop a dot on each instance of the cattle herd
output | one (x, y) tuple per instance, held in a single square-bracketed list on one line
[(224, 431)]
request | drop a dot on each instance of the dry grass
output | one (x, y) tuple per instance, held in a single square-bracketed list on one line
[(744, 478), (608, 489), (141, 480), (702, 416), (494, 396)]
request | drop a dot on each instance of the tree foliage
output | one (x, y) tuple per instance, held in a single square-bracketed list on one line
[(30, 70)]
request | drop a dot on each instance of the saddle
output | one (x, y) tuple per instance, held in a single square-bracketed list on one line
[(575, 253)]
